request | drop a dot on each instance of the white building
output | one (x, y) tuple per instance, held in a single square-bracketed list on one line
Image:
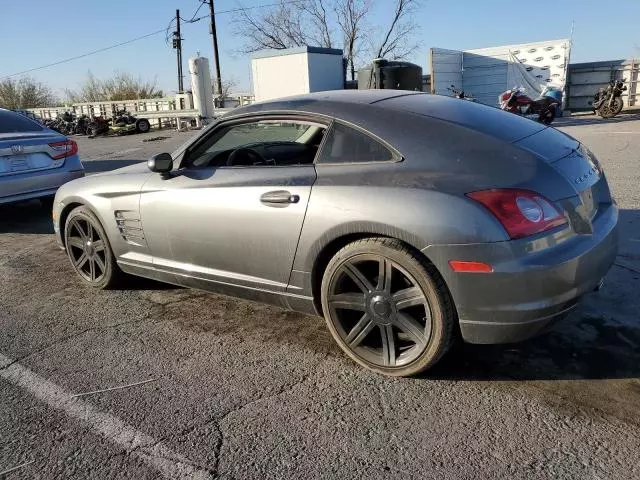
[(295, 71)]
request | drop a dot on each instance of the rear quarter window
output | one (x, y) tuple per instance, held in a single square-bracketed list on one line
[(348, 145), (11, 122)]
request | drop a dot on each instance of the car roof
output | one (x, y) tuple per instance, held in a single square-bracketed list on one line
[(380, 111), (368, 96)]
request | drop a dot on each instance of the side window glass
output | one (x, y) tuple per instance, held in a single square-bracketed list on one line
[(261, 143), (348, 145)]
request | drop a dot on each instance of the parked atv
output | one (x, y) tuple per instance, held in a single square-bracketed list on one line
[(121, 124), (124, 122)]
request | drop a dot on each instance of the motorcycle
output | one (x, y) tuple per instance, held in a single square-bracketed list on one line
[(542, 109), (460, 94), (81, 125), (607, 102), (98, 126)]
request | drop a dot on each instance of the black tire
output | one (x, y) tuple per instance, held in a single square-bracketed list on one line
[(386, 307), (617, 106), (99, 269), (548, 116), (143, 125), (606, 111)]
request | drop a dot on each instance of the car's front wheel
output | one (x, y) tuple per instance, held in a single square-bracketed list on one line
[(387, 307), (88, 249)]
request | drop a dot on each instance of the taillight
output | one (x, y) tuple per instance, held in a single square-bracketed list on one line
[(521, 212), (63, 149)]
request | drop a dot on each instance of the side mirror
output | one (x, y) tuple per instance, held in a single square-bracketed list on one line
[(160, 163)]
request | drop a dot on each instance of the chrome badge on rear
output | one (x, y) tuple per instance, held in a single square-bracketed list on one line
[(17, 149)]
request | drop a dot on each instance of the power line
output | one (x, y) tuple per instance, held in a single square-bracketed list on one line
[(241, 9), (166, 32), (110, 47), (86, 54), (194, 15)]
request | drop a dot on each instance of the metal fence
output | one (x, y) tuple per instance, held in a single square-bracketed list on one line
[(586, 78)]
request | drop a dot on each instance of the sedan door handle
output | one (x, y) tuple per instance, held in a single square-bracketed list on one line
[(279, 197)]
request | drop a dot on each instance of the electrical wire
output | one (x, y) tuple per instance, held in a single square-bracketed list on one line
[(93, 52), (241, 9), (126, 42), (166, 33), (202, 2)]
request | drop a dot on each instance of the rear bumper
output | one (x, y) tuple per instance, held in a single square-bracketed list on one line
[(534, 282), (25, 186)]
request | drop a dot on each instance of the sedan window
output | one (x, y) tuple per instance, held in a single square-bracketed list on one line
[(262, 143), (11, 122), (348, 145)]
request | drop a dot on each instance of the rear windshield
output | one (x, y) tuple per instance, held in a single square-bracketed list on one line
[(11, 122)]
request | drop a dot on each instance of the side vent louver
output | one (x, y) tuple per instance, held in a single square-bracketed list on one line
[(129, 226)]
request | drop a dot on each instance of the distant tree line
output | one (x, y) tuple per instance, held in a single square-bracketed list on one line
[(122, 86), (25, 92)]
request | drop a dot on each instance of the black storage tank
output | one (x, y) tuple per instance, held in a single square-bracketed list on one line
[(390, 74)]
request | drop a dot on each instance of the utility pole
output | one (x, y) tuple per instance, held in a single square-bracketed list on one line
[(177, 44), (215, 47)]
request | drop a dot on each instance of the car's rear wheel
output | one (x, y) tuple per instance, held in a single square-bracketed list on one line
[(88, 249), (387, 307)]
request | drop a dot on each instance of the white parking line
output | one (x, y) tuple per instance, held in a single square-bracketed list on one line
[(167, 462), (610, 133)]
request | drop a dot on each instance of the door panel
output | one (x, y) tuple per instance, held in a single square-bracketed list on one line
[(227, 225)]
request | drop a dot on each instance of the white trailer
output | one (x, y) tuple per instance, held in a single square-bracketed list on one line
[(295, 71)]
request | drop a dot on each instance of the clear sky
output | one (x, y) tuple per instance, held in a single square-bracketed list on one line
[(38, 32)]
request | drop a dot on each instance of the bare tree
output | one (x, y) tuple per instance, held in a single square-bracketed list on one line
[(285, 26), (90, 90), (351, 15), (322, 31), (395, 43), (122, 86), (25, 93), (227, 86), (315, 23)]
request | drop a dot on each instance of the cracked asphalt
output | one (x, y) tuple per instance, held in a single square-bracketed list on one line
[(242, 390)]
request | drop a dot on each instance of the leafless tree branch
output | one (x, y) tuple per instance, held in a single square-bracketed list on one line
[(351, 15), (401, 28), (319, 22)]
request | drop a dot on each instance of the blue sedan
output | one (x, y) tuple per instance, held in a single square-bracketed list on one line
[(34, 161)]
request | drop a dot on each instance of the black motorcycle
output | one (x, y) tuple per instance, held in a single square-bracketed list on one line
[(607, 102), (460, 94)]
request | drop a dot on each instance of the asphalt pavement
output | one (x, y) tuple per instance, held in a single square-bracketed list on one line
[(157, 381)]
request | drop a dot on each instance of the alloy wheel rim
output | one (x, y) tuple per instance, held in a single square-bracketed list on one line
[(379, 311), (87, 250)]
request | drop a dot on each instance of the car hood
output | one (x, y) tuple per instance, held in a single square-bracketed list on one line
[(95, 166)]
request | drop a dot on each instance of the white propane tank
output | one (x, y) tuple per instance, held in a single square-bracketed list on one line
[(201, 86)]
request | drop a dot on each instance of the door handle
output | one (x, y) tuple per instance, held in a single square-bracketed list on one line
[(279, 197)]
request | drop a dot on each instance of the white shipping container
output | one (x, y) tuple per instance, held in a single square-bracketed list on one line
[(296, 71)]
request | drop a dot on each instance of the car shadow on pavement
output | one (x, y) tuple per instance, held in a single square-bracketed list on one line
[(32, 216), (100, 166), (594, 120)]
